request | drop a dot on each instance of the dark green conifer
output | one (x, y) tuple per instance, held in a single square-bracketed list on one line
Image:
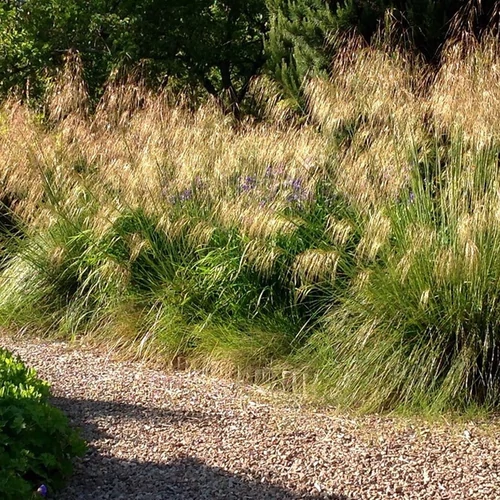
[(297, 44)]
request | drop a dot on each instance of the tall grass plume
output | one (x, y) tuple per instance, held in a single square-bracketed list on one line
[(358, 248)]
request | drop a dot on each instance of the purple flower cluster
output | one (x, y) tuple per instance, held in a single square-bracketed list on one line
[(275, 171), (248, 184), (186, 195), (42, 490), (183, 196), (276, 181), (298, 193)]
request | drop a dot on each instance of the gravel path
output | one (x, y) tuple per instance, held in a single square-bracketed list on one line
[(185, 436)]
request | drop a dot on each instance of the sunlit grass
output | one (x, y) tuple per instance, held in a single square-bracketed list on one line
[(358, 251)]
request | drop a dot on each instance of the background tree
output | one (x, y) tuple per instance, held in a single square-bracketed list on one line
[(214, 45), (302, 33), (297, 43), (17, 48), (217, 44)]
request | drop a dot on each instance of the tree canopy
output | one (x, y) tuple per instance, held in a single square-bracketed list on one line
[(214, 45)]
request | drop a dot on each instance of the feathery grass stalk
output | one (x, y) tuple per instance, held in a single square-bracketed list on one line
[(359, 249)]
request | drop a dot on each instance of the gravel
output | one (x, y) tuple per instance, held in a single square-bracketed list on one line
[(183, 435)]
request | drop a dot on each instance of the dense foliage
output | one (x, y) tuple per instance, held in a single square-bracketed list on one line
[(297, 43), (36, 442), (214, 46)]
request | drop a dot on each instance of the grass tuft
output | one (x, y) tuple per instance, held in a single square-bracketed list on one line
[(355, 252)]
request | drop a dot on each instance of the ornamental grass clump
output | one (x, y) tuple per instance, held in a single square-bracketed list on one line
[(357, 247), (419, 326)]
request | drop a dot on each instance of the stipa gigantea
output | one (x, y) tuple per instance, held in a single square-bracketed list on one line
[(339, 231), (260, 222), (69, 97), (194, 214), (262, 255), (314, 265), (376, 235), (466, 95)]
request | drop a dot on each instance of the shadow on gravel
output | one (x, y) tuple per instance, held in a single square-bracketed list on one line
[(100, 477), (85, 412), (183, 479)]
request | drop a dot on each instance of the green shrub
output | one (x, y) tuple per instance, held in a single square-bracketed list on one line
[(36, 441)]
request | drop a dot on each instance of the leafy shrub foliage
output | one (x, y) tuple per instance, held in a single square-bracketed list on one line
[(36, 441)]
